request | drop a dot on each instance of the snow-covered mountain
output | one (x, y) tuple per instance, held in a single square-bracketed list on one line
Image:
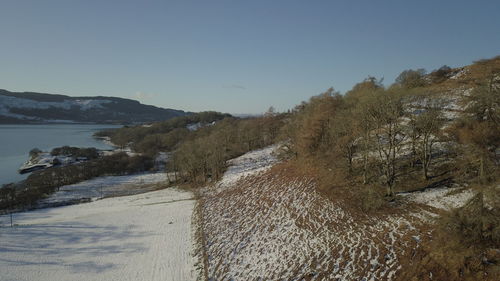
[(28, 107)]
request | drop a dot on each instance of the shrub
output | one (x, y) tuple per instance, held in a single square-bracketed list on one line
[(89, 153), (467, 240)]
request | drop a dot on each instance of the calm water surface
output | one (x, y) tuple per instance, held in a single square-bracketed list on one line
[(17, 140)]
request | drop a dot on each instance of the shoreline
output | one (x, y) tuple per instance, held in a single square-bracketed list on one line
[(64, 122), (24, 137), (106, 140)]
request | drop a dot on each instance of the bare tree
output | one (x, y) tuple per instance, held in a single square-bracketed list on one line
[(344, 135), (365, 125), (427, 127), (479, 128), (360, 98), (386, 111)]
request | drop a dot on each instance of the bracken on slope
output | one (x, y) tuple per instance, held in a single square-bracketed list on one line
[(266, 224)]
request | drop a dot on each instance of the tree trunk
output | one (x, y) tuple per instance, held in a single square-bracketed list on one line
[(481, 169), (349, 164), (365, 168), (390, 191)]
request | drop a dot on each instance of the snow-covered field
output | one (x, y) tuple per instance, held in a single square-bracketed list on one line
[(139, 237), (105, 187)]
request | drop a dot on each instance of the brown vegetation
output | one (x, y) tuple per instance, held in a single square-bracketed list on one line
[(202, 157)]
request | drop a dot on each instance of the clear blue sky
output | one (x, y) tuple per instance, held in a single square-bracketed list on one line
[(233, 56)]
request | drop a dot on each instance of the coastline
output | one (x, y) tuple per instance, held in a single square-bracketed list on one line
[(18, 139)]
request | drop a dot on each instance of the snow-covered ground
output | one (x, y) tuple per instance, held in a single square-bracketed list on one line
[(249, 164), (442, 198), (105, 187), (199, 125), (46, 160), (139, 237), (42, 160)]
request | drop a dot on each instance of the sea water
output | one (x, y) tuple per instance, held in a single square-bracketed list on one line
[(17, 140)]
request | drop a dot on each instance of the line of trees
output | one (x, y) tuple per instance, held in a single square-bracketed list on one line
[(202, 157), (378, 135), (159, 136)]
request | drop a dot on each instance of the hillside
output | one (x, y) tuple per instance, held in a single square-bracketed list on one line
[(28, 107), (382, 183), (266, 220), (273, 225)]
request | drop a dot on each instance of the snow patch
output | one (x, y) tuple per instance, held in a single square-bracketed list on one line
[(199, 125), (249, 164), (442, 198)]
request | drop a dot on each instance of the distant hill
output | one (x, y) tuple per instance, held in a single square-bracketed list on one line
[(29, 107)]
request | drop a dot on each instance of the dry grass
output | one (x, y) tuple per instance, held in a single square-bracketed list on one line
[(300, 221), (199, 239), (276, 225)]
